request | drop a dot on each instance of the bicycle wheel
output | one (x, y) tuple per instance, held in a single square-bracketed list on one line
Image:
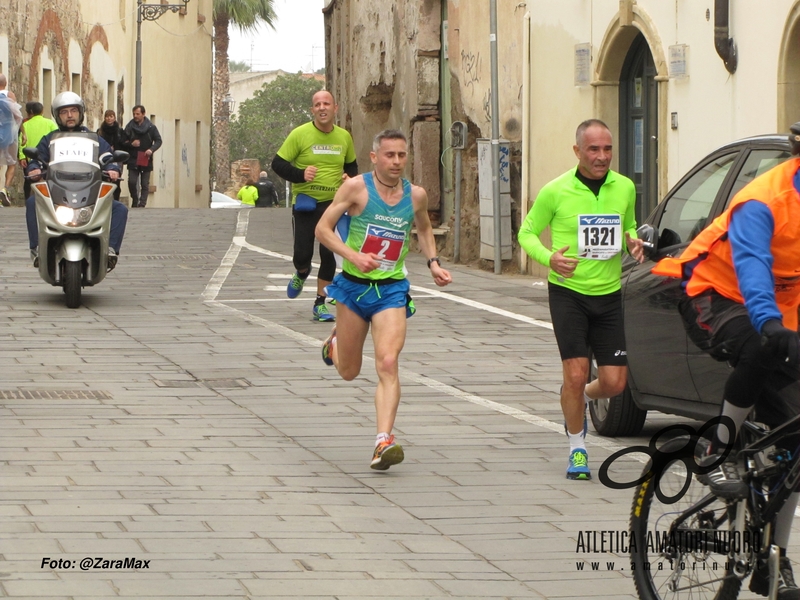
[(673, 558)]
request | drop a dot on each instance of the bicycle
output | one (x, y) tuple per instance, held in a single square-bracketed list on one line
[(701, 545)]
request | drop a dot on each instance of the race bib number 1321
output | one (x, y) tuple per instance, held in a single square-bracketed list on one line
[(599, 236)]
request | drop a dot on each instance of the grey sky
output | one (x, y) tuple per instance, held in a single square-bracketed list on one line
[(297, 44)]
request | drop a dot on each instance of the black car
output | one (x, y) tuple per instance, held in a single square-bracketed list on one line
[(666, 371)]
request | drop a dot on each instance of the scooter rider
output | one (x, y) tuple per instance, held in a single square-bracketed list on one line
[(68, 111)]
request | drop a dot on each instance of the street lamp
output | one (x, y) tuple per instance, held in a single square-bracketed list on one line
[(230, 105), (149, 12)]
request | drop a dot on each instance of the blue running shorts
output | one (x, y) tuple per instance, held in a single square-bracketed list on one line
[(366, 298)]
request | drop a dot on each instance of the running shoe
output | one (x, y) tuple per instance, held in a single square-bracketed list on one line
[(723, 479), (295, 286), (327, 348), (787, 588), (386, 454), (578, 465), (4, 200), (321, 313), (35, 257)]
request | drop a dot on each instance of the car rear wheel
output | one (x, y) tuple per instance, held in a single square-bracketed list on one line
[(618, 416)]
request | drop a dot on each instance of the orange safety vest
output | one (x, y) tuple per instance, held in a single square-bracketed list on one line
[(712, 252)]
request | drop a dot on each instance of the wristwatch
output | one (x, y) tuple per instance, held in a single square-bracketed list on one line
[(436, 260)]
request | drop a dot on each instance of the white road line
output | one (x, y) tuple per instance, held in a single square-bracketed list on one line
[(239, 242), (221, 274)]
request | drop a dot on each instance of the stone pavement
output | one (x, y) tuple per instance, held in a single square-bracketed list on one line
[(183, 416)]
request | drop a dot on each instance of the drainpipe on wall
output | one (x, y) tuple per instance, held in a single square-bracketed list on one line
[(725, 46), (526, 123)]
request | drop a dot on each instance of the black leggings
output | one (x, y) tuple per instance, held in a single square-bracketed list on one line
[(722, 328), (304, 224)]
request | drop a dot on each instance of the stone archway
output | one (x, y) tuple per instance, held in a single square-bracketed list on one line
[(789, 72), (617, 41)]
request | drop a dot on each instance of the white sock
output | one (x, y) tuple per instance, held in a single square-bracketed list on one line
[(381, 437), (577, 441), (586, 398)]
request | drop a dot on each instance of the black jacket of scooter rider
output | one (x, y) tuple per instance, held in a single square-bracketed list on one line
[(69, 118), (43, 149)]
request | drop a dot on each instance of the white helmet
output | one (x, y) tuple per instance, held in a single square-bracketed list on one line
[(67, 99)]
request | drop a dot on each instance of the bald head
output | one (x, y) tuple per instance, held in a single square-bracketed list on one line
[(3, 81), (323, 109)]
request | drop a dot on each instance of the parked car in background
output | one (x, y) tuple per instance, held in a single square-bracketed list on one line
[(667, 372), (220, 200)]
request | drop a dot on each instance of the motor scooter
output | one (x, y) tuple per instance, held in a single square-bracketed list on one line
[(73, 211)]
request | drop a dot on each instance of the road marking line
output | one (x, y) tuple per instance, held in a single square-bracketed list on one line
[(221, 274)]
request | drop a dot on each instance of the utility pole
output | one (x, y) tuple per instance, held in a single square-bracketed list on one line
[(498, 250)]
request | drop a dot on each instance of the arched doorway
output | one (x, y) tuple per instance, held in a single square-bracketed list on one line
[(789, 72), (638, 125)]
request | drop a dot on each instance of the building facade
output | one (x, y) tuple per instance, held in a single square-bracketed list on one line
[(673, 79), (89, 47)]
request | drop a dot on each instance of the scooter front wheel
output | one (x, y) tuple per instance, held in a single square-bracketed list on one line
[(72, 283)]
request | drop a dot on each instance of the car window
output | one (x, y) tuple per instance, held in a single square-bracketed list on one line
[(687, 209), (758, 162)]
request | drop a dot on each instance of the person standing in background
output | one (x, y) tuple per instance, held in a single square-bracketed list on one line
[(33, 129), (111, 131)]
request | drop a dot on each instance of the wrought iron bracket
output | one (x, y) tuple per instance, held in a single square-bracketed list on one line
[(151, 12)]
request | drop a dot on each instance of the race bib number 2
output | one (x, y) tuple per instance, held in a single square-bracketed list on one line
[(386, 243), (599, 236)]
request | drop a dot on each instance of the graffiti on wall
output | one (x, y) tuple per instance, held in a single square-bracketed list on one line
[(471, 64)]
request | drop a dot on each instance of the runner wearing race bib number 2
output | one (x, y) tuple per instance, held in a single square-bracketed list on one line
[(590, 211), (372, 289)]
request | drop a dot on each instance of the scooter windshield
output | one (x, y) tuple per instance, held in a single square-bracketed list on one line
[(74, 175), (74, 184)]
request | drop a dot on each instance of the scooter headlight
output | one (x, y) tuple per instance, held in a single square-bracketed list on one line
[(74, 217)]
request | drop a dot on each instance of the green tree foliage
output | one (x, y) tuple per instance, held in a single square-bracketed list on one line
[(264, 121), (238, 66)]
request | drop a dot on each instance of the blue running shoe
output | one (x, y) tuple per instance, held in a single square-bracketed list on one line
[(295, 286), (321, 314), (579, 465)]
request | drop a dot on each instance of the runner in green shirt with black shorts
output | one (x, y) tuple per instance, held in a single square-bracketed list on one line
[(315, 157), (590, 212)]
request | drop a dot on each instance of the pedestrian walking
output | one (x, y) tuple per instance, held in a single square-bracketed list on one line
[(267, 195), (10, 122), (142, 139), (248, 194)]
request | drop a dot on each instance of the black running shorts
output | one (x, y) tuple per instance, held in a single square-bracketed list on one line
[(583, 322)]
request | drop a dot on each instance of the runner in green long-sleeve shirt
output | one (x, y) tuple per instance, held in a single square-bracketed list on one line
[(590, 212)]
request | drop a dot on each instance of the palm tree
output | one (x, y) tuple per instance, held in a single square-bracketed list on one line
[(246, 15)]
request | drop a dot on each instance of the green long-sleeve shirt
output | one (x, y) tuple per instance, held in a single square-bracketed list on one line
[(593, 227)]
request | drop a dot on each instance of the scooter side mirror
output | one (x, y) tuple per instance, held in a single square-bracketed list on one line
[(121, 156), (31, 153)]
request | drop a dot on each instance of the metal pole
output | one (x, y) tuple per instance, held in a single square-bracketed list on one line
[(457, 210), (138, 84), (498, 251)]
